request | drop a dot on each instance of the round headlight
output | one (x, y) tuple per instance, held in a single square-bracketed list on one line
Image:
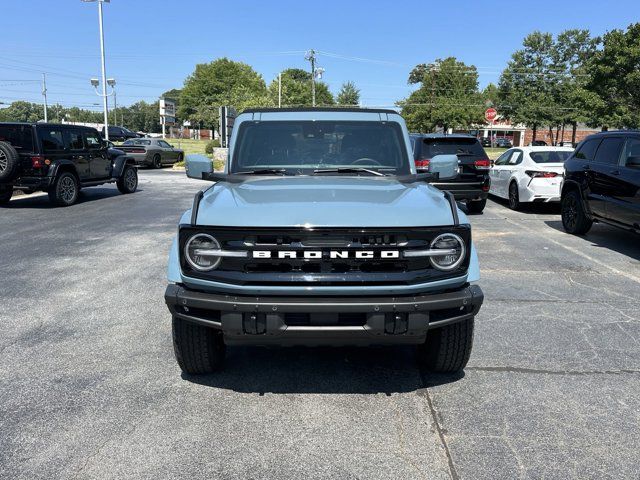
[(195, 252), (449, 261)]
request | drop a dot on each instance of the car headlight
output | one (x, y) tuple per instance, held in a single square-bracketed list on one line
[(197, 252), (452, 243)]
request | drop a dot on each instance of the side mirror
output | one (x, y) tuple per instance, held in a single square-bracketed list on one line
[(445, 166), (197, 165)]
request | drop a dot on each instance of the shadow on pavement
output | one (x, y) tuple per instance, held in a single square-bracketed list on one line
[(552, 208), (42, 201), (605, 236), (341, 370)]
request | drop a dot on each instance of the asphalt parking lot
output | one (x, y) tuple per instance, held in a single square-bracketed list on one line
[(89, 387)]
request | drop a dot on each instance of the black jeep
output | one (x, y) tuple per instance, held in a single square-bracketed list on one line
[(602, 183), (59, 159), (472, 183)]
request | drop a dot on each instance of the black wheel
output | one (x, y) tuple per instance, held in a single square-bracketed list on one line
[(65, 190), (9, 161), (574, 218), (128, 181), (6, 192), (476, 206), (197, 349), (514, 196), (447, 348), (157, 161)]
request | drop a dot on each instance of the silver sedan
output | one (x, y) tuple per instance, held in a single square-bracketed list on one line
[(151, 152)]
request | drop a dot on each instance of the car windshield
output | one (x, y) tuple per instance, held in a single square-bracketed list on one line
[(321, 147), (20, 136), (550, 156), (451, 146), (137, 142)]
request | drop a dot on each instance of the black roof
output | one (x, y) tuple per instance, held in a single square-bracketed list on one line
[(39, 124), (442, 135), (320, 109), (616, 132)]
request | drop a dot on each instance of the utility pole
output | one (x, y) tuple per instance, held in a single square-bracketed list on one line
[(280, 90), (112, 83), (311, 56), (44, 94)]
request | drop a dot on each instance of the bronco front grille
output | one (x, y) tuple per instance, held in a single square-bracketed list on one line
[(324, 270)]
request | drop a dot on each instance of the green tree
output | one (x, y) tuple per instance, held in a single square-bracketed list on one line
[(490, 95), (296, 89), (447, 97), (526, 83), (22, 112), (615, 79), (221, 82), (349, 94)]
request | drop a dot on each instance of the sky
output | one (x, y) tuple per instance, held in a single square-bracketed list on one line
[(153, 45)]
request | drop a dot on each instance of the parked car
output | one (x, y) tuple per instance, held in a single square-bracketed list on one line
[(322, 233), (538, 143), (602, 183), (472, 182), (503, 142), (529, 174), (119, 134), (152, 152), (60, 160), (485, 141)]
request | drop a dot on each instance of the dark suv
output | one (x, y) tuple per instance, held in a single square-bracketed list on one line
[(59, 159), (119, 134), (472, 183), (602, 183)]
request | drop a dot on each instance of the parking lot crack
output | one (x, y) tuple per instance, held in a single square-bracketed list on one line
[(440, 431)]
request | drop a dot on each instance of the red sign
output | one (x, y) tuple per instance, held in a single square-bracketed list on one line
[(490, 114)]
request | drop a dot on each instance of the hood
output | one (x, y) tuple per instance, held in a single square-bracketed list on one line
[(325, 201)]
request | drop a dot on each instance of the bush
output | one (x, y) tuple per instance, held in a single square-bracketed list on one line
[(211, 145)]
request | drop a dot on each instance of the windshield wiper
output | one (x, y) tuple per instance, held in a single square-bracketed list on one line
[(263, 171), (351, 170)]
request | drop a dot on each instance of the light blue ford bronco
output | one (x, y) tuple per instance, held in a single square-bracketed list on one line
[(320, 232)]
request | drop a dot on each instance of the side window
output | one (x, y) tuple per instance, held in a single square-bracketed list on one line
[(609, 151), (164, 144), (516, 158), (73, 140), (631, 156), (504, 158), (92, 139), (587, 150), (52, 140)]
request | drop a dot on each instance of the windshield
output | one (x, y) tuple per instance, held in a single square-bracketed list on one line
[(137, 142), (451, 146), (20, 136), (550, 156), (308, 147)]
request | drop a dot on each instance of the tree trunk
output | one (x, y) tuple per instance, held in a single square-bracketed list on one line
[(562, 136), (573, 134), (535, 131), (551, 135), (557, 134)]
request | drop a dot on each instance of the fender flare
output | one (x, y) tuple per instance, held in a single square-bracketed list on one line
[(119, 163), (57, 164)]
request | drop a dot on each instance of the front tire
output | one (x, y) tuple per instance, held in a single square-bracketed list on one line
[(574, 218), (197, 349), (5, 194), (476, 206), (448, 348), (514, 196), (128, 181), (65, 190)]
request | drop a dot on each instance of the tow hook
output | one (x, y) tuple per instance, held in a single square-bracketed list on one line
[(395, 323), (254, 323)]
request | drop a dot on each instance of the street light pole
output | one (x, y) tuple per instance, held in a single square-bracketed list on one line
[(44, 94), (112, 83), (311, 56)]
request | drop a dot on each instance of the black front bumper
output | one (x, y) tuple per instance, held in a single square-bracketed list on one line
[(320, 320), (473, 190)]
